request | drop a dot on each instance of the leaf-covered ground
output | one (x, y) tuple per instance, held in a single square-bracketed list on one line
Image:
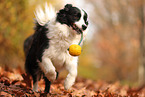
[(13, 83)]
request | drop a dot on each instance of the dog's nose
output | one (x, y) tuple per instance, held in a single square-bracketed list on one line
[(84, 27)]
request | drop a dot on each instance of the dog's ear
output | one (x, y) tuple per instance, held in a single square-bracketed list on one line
[(68, 7), (62, 17), (62, 14)]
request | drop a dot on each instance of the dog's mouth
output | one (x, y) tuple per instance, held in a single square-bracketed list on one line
[(77, 29)]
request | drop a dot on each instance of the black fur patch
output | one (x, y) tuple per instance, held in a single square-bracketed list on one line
[(27, 44), (40, 42), (68, 15), (85, 18)]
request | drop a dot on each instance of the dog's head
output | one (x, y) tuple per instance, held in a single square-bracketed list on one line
[(74, 17)]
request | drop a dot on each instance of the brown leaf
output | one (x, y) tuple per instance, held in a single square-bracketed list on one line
[(5, 94), (16, 87), (27, 79), (7, 82)]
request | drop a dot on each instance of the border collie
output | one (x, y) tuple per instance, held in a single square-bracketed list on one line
[(47, 49)]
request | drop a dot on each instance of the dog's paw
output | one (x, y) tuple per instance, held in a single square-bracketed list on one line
[(67, 86), (35, 87), (51, 75), (68, 83)]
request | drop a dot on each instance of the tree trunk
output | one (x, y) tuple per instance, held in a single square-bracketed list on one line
[(142, 46)]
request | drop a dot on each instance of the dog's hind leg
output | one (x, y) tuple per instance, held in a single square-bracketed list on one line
[(57, 74), (48, 83), (27, 44), (35, 83), (36, 77)]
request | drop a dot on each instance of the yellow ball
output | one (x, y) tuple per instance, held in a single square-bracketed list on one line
[(75, 50)]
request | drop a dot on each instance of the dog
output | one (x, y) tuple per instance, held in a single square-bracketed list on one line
[(46, 50)]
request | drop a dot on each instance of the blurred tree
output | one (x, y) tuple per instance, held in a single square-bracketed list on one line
[(12, 16), (117, 41), (16, 23), (142, 43)]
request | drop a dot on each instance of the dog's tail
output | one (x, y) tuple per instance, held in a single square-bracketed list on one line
[(43, 16)]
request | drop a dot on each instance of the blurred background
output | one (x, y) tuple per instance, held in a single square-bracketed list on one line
[(113, 51)]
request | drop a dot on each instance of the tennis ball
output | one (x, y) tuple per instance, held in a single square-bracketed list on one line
[(75, 50)]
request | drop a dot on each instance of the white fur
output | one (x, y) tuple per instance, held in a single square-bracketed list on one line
[(61, 37), (35, 87), (81, 21), (44, 16), (57, 57)]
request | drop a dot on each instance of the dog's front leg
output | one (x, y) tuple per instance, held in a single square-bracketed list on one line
[(48, 69), (71, 66)]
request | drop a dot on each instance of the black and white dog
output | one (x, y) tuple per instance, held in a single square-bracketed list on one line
[(46, 50)]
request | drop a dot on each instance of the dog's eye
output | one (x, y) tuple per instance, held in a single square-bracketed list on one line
[(79, 15), (76, 18)]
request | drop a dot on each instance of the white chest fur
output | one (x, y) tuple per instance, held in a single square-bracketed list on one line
[(60, 38)]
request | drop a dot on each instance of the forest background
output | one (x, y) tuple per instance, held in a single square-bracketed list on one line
[(115, 45)]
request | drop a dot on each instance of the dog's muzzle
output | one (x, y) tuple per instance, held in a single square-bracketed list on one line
[(77, 29)]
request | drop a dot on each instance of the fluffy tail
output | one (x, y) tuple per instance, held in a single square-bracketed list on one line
[(43, 16)]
